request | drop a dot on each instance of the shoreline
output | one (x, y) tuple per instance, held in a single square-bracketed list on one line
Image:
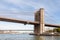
[(45, 34)]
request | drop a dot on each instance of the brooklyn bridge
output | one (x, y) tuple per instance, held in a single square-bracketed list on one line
[(38, 23)]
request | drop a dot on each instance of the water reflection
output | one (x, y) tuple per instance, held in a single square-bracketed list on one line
[(55, 37), (39, 38), (27, 37)]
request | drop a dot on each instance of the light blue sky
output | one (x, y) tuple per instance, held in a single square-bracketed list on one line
[(25, 9)]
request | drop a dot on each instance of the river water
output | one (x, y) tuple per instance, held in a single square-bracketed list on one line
[(27, 37)]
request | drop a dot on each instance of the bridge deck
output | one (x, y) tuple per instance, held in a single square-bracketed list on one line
[(26, 22), (17, 21)]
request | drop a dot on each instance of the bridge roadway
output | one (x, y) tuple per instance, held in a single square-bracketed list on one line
[(26, 22)]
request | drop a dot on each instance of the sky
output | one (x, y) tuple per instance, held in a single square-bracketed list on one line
[(25, 9)]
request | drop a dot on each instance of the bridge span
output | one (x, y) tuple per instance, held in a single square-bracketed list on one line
[(26, 22)]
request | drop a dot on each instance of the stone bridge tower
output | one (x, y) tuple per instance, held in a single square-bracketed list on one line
[(39, 17)]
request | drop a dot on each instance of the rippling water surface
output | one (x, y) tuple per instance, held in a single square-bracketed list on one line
[(27, 37)]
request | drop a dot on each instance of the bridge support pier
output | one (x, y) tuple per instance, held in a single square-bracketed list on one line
[(39, 16)]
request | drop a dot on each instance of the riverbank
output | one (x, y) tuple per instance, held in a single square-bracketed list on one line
[(46, 34)]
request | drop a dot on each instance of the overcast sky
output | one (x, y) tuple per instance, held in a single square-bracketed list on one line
[(25, 9)]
